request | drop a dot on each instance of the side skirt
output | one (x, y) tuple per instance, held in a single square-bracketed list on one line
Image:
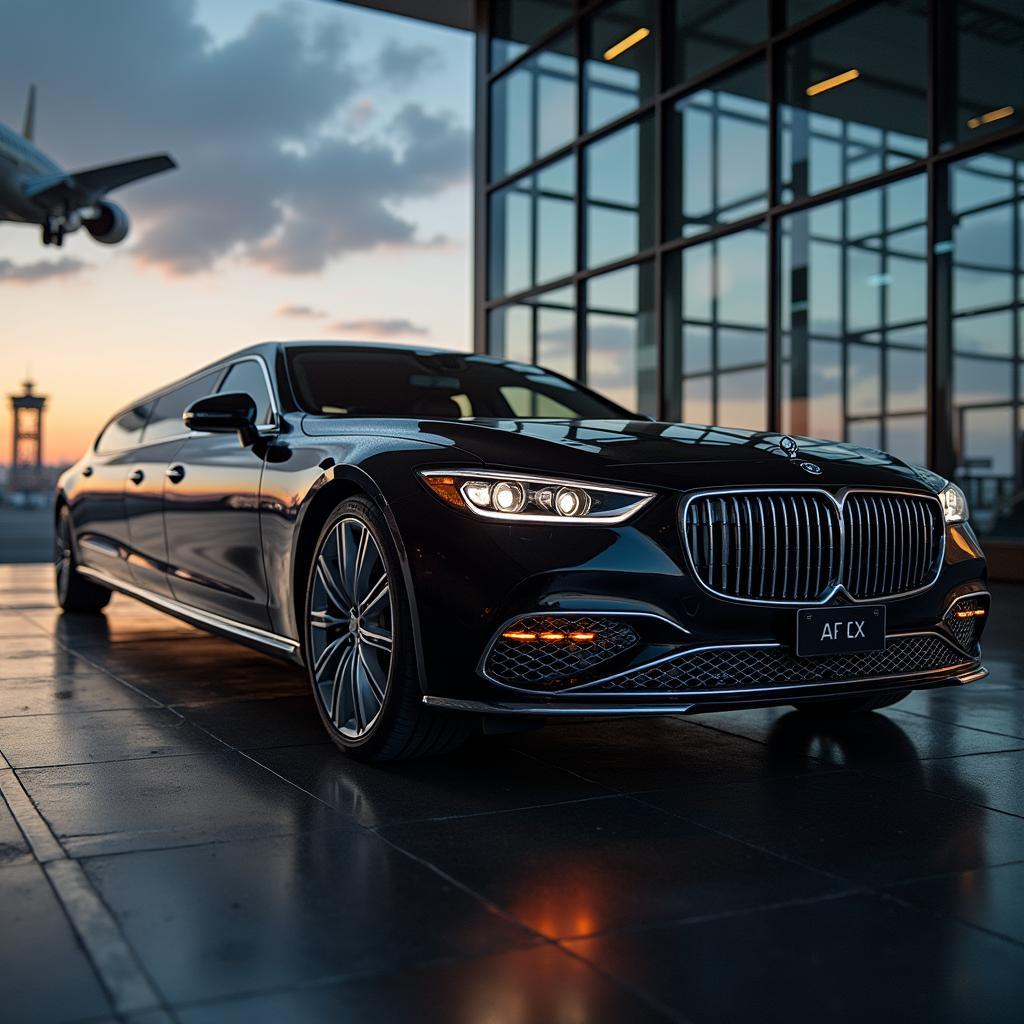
[(262, 639)]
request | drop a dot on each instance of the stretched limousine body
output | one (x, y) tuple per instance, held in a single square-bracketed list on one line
[(446, 541)]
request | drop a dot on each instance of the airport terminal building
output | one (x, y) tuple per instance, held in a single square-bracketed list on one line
[(798, 215)]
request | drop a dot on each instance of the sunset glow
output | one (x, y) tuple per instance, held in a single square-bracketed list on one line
[(325, 195)]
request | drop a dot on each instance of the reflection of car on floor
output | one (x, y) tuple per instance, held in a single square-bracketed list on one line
[(449, 542)]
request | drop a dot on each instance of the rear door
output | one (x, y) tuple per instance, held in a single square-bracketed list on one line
[(98, 511), (211, 512), (162, 439)]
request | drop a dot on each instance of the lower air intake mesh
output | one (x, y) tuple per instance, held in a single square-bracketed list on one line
[(966, 630), (744, 668)]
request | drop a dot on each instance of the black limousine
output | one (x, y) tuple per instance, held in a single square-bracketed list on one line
[(450, 543)]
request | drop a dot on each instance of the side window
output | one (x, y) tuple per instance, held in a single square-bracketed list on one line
[(248, 377), (125, 431), (524, 402), (166, 419)]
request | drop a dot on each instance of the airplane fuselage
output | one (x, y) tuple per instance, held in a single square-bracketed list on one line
[(20, 160)]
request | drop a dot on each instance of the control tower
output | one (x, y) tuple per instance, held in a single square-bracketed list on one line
[(27, 473)]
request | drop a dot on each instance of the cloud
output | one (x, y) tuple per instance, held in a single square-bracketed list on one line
[(298, 311), (265, 175), (43, 270), (396, 328), (401, 65)]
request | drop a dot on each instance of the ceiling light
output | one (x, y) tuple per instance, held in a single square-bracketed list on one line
[(831, 83), (992, 115), (624, 44)]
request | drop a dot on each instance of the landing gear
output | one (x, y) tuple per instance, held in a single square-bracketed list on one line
[(53, 233)]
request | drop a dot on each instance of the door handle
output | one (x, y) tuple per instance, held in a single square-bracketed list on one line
[(175, 474), (87, 471), (137, 477)]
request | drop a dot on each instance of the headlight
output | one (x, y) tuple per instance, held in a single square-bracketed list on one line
[(513, 497), (954, 504)]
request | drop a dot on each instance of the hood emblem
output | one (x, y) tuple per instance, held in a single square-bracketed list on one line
[(810, 467), (789, 446)]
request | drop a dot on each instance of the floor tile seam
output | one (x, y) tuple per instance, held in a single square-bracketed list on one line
[(96, 931), (217, 752), (65, 714), (93, 663), (468, 815), (706, 918), (907, 904), (294, 785), (466, 889), (92, 855), (121, 760), (666, 1011), (554, 766), (774, 854), (328, 981), (880, 775), (958, 725), (114, 961), (883, 888)]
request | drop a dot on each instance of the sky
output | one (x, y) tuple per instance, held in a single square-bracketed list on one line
[(323, 190)]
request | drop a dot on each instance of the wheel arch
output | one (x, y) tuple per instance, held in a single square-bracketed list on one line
[(337, 484)]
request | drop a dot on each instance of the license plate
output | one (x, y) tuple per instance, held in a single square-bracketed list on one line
[(840, 630)]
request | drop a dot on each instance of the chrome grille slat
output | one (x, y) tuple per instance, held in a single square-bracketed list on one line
[(875, 544)]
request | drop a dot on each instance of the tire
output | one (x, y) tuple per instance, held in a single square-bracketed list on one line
[(834, 707), (359, 645), (74, 592)]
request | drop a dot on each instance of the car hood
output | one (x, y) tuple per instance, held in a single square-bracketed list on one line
[(673, 455)]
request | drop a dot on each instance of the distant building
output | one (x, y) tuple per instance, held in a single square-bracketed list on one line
[(795, 215)]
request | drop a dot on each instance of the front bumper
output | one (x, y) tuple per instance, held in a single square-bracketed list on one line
[(471, 580)]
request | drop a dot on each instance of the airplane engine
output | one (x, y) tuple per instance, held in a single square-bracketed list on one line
[(110, 225)]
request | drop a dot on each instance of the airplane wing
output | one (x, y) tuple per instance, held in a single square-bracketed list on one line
[(80, 188)]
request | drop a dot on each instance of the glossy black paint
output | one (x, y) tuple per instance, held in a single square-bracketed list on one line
[(238, 522)]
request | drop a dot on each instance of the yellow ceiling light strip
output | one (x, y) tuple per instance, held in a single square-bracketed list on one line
[(992, 115), (624, 44), (833, 82)]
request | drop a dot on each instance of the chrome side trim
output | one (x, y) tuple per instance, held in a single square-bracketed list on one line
[(838, 499), (196, 615), (550, 710)]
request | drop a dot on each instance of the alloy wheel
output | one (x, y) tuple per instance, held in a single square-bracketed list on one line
[(351, 627), (62, 556)]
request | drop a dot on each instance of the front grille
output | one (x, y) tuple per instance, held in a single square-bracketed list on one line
[(796, 546), (538, 661), (891, 543), (744, 668), (966, 631)]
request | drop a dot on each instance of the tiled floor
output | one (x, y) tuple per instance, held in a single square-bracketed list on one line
[(182, 844)]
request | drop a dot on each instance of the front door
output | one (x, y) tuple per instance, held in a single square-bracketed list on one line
[(153, 471), (212, 522), (212, 513)]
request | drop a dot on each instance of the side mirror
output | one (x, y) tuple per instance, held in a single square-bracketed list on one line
[(230, 413)]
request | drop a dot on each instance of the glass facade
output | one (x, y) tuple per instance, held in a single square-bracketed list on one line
[(793, 215)]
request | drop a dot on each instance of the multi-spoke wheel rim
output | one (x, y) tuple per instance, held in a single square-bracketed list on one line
[(351, 632), (62, 556)]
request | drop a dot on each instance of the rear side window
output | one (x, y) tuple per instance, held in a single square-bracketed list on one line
[(247, 377), (166, 419), (125, 431)]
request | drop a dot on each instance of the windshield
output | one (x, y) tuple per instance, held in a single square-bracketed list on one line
[(357, 381)]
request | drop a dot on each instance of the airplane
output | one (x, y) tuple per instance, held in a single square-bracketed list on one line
[(35, 190)]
